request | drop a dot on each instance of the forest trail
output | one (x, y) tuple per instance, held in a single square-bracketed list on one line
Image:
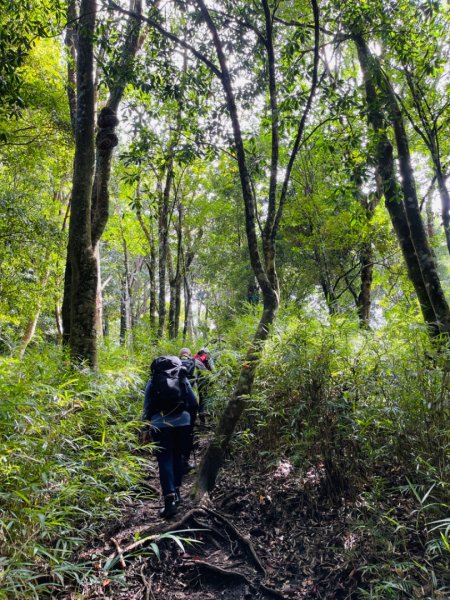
[(260, 535)]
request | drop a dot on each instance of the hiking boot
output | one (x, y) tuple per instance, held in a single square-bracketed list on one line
[(170, 506), (177, 496)]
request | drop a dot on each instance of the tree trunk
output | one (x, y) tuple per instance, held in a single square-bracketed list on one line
[(83, 265), (445, 203), (265, 272), (163, 246), (325, 282), (30, 329), (88, 218), (65, 308), (124, 311), (424, 252), (153, 305), (153, 290), (188, 328), (99, 296), (59, 323), (215, 453), (71, 47), (364, 297), (29, 332), (126, 301), (430, 217), (390, 187), (172, 302), (107, 123), (151, 261), (175, 276)]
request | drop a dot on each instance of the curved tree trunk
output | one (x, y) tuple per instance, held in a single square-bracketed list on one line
[(390, 187), (215, 453), (30, 328), (264, 270)]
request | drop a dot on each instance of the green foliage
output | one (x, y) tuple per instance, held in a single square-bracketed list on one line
[(365, 413), (35, 167), (20, 24), (69, 461)]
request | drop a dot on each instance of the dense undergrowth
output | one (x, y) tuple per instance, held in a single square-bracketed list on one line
[(366, 411), (68, 462)]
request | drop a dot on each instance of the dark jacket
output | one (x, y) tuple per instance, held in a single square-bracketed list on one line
[(188, 395)]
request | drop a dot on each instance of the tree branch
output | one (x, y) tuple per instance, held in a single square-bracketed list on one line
[(301, 126), (171, 36)]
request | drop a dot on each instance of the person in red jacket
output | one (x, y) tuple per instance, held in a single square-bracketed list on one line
[(202, 358)]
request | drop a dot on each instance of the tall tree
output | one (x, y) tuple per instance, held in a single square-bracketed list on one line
[(405, 213), (83, 283), (79, 293)]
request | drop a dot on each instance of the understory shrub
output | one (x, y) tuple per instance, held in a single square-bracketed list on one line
[(68, 463), (368, 412)]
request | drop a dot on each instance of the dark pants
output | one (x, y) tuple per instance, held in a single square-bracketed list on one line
[(172, 444)]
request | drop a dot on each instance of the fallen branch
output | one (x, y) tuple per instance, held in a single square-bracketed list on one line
[(245, 541), (119, 553)]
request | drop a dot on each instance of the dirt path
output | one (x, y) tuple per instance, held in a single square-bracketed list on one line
[(260, 535)]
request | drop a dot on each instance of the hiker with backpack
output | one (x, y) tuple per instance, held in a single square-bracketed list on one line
[(169, 405)]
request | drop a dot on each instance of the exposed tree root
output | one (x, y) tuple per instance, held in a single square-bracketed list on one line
[(155, 533), (243, 539), (255, 585), (147, 585)]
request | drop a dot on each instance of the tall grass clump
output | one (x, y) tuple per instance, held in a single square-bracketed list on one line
[(68, 463), (368, 411)]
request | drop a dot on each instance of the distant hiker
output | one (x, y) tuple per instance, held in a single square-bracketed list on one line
[(168, 405), (189, 364), (203, 383)]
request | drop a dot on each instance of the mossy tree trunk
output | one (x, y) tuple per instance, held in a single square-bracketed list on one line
[(83, 281), (91, 168), (401, 202)]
